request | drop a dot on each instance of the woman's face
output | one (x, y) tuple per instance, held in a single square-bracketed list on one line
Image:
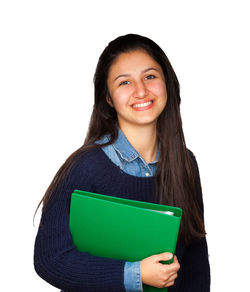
[(137, 88)]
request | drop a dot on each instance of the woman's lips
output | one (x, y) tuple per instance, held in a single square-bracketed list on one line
[(142, 106)]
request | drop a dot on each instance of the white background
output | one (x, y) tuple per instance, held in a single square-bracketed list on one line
[(48, 53)]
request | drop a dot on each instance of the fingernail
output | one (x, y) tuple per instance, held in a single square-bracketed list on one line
[(170, 256)]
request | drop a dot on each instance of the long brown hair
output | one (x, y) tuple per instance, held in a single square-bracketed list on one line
[(177, 179)]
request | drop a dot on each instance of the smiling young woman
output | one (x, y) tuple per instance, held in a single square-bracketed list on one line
[(137, 91), (137, 86), (135, 149)]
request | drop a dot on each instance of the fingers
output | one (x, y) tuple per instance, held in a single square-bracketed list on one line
[(174, 267), (167, 280), (165, 256), (172, 277), (159, 275), (170, 271), (175, 259), (176, 263)]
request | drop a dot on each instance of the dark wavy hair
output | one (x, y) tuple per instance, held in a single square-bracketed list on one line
[(177, 179)]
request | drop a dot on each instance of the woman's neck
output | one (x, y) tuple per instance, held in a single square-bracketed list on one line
[(143, 139)]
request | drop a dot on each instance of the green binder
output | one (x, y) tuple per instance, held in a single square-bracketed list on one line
[(122, 229)]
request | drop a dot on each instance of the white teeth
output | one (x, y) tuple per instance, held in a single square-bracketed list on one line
[(143, 104)]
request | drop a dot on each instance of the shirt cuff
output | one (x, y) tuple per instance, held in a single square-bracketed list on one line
[(132, 277)]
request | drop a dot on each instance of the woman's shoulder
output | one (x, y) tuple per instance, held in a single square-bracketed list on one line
[(193, 158), (191, 154), (89, 159), (81, 170), (92, 161)]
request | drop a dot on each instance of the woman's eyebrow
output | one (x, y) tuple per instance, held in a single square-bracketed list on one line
[(143, 71), (122, 75), (149, 69)]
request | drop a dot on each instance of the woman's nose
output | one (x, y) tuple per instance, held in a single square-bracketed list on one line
[(140, 90)]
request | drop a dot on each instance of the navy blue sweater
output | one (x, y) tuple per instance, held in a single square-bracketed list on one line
[(57, 260)]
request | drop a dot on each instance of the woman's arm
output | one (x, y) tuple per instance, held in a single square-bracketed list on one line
[(195, 264), (195, 268), (57, 260)]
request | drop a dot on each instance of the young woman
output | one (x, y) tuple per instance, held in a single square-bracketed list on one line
[(134, 149)]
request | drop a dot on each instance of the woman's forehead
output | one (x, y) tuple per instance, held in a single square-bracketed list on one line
[(130, 62)]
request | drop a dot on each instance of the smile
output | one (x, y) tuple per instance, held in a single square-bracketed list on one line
[(140, 105)]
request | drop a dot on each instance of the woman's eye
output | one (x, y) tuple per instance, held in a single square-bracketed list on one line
[(151, 76), (124, 83)]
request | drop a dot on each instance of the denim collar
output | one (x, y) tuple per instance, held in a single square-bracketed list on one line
[(126, 150)]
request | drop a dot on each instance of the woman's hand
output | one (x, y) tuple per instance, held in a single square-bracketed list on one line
[(159, 275)]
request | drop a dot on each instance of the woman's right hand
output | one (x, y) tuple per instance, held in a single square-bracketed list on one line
[(159, 275)]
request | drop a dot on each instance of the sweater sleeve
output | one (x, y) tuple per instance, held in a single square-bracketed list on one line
[(195, 268), (195, 264), (56, 259)]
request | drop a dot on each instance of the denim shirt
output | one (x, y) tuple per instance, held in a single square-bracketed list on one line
[(123, 154)]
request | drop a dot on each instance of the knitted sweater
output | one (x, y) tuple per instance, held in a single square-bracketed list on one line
[(57, 260)]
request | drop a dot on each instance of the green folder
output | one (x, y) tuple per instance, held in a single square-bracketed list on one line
[(122, 229)]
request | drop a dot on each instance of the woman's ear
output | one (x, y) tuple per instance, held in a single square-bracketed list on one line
[(109, 100)]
